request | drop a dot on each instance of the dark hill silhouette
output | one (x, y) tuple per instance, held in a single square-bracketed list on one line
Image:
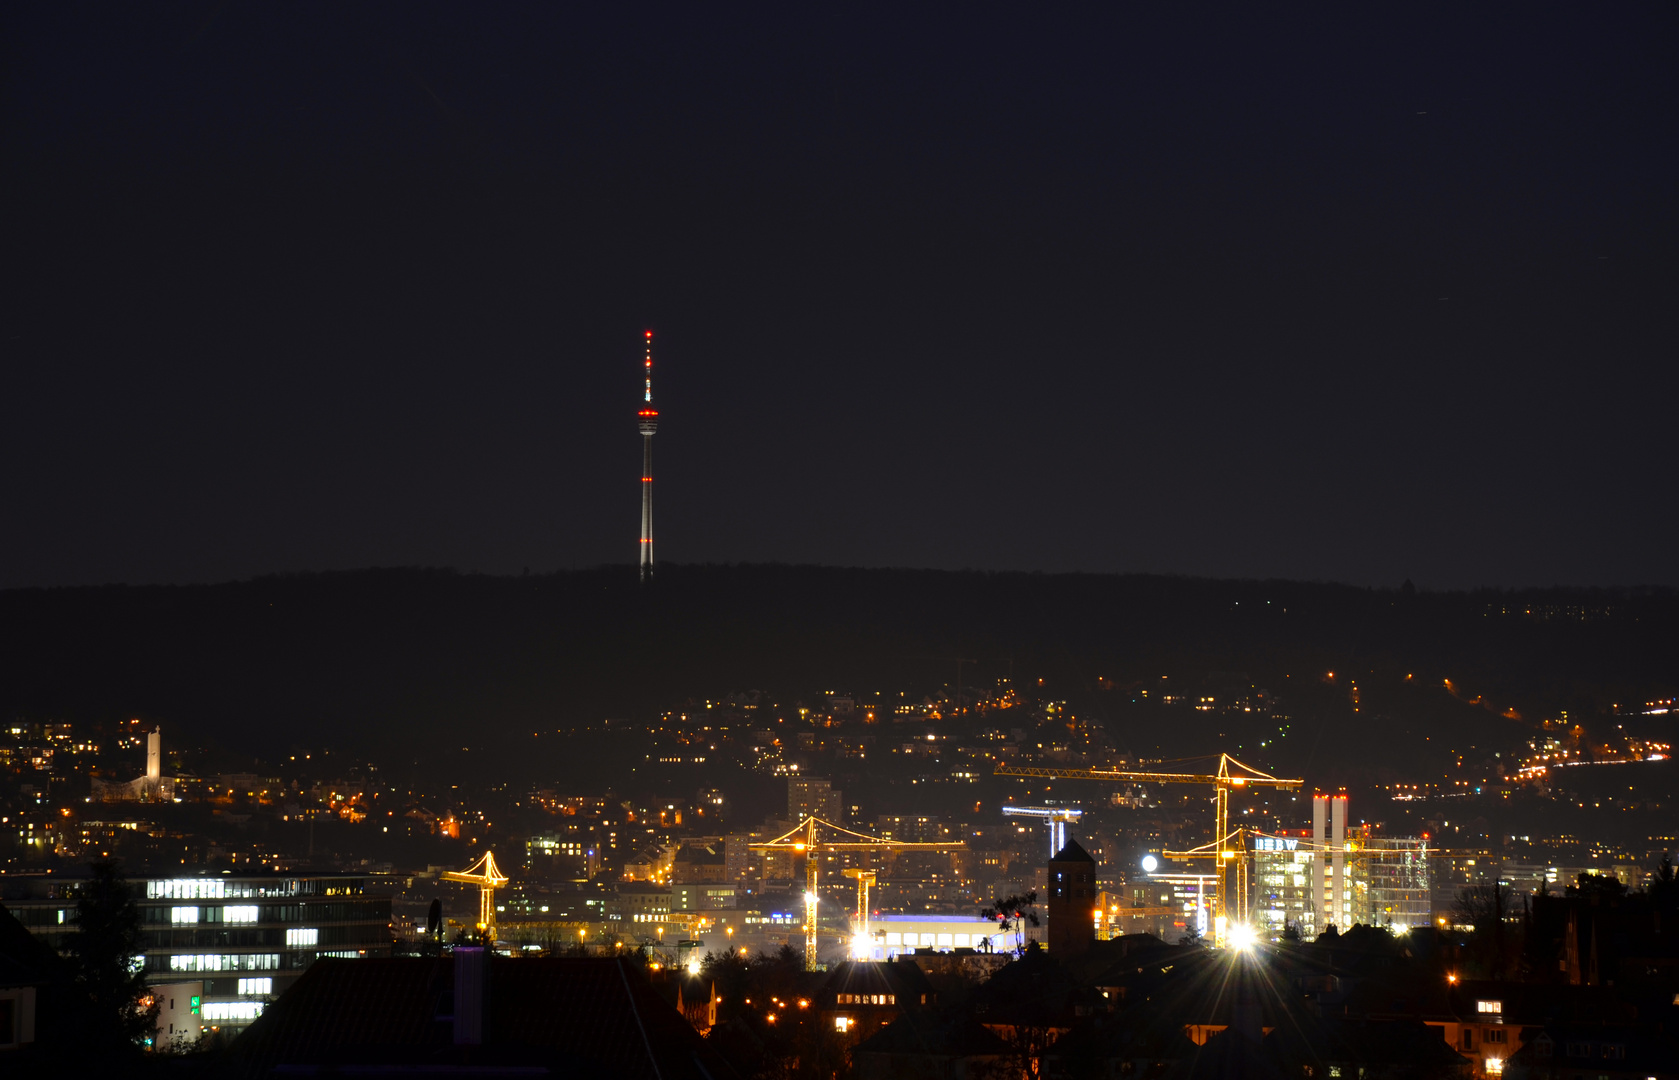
[(369, 659)]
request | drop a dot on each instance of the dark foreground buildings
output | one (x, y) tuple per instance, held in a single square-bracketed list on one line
[(474, 1015), (1579, 985)]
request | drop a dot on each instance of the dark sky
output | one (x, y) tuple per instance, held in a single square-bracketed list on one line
[(1327, 293)]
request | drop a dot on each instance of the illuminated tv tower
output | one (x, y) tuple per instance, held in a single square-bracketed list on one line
[(648, 421)]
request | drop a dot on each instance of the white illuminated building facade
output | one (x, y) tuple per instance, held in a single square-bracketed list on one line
[(896, 934)]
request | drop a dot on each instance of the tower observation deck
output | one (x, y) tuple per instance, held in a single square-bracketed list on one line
[(647, 420)]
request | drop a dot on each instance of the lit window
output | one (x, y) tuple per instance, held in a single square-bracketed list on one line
[(298, 936), (842, 1023), (183, 914), (240, 913), (256, 986), (1489, 1007)]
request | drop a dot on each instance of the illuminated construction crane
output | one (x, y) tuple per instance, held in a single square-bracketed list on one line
[(801, 840), (1057, 818), (1230, 848), (862, 940), (1223, 781), (488, 878)]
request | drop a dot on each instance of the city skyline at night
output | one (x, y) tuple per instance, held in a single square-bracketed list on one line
[(1164, 563)]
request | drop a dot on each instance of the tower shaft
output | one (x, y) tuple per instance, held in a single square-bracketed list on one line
[(646, 505)]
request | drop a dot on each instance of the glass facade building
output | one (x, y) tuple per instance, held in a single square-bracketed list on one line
[(1384, 881)]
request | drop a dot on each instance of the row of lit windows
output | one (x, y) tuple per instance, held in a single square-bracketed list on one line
[(223, 889), (231, 1010), (296, 937), (233, 913), (223, 962), (866, 999), (264, 985), (203, 889), (948, 941)]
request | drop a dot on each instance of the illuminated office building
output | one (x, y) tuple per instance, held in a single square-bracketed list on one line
[(1283, 869), (233, 942)]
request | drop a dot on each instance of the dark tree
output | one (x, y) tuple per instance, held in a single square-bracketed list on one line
[(106, 953), (1664, 889), (1599, 886), (1013, 914), (731, 974), (1489, 908)]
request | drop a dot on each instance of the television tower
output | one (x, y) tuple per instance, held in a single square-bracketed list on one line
[(648, 421)]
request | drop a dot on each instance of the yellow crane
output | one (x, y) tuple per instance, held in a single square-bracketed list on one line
[(801, 839), (1230, 849), (1230, 775), (865, 879), (488, 878)]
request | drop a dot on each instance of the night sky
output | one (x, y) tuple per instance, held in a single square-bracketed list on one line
[(1357, 295)]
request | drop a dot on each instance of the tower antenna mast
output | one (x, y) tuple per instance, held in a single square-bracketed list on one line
[(648, 422)]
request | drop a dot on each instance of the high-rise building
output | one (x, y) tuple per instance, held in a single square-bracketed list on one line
[(814, 796), (1331, 902), (647, 421)]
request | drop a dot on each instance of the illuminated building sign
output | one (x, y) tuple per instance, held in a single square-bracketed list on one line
[(1274, 843)]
